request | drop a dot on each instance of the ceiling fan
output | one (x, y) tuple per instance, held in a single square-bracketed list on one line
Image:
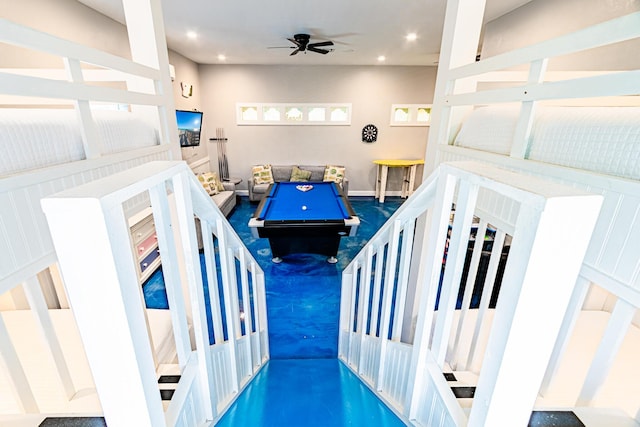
[(301, 42)]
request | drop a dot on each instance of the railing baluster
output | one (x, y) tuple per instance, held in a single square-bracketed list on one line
[(346, 307), (256, 313), (212, 281), (619, 322), (167, 246), (20, 384), (494, 260), (246, 305), (353, 313), (390, 277), (570, 319), (465, 205), (403, 278), (191, 259), (41, 312), (429, 286), (468, 290), (231, 310), (365, 288), (377, 284), (262, 302)]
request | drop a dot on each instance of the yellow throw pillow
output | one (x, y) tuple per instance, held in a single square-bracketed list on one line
[(334, 173), (210, 182), (218, 182), (262, 174), (299, 175)]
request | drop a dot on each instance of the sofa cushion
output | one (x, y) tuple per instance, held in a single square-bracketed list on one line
[(211, 182), (334, 173), (281, 173), (260, 188), (299, 175), (317, 172), (225, 200), (262, 174)]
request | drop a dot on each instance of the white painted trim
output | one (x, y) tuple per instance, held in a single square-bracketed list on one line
[(199, 162)]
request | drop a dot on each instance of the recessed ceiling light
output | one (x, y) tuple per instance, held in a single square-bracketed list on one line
[(381, 58), (411, 37), (221, 57), (192, 35)]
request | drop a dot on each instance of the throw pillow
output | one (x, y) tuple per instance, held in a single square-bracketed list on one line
[(262, 174), (210, 182), (299, 175), (334, 173), (218, 182)]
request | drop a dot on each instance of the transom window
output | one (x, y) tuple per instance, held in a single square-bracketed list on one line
[(410, 115), (334, 114)]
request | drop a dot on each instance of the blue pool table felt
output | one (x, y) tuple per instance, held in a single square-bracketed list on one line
[(286, 202)]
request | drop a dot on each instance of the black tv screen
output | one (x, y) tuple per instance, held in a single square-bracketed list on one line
[(189, 127)]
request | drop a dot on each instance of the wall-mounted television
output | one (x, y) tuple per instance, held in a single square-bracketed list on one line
[(189, 127)]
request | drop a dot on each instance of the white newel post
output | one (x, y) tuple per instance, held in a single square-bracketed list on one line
[(545, 259), (107, 304), (145, 27)]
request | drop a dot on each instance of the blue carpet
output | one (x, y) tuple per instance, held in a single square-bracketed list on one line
[(303, 292)]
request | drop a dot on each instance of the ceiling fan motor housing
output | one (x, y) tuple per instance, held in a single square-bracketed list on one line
[(302, 44)]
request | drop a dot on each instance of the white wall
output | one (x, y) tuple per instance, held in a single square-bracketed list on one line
[(540, 20), (370, 90), (67, 19), (187, 72)]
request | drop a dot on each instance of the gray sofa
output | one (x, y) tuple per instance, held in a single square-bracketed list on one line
[(283, 174), (226, 200)]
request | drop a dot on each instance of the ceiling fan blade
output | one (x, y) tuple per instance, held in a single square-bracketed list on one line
[(294, 41), (316, 50), (294, 52), (327, 43)]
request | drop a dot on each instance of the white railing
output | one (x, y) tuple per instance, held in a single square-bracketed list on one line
[(91, 237), (148, 84), (395, 338), (608, 268), (458, 87)]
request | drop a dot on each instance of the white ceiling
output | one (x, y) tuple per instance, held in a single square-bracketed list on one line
[(362, 30)]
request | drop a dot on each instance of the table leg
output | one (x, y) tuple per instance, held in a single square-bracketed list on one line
[(378, 173), (412, 179), (383, 182), (405, 182)]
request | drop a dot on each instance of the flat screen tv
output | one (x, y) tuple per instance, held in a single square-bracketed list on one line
[(189, 127)]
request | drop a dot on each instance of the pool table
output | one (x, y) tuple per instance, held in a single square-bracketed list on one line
[(308, 217)]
